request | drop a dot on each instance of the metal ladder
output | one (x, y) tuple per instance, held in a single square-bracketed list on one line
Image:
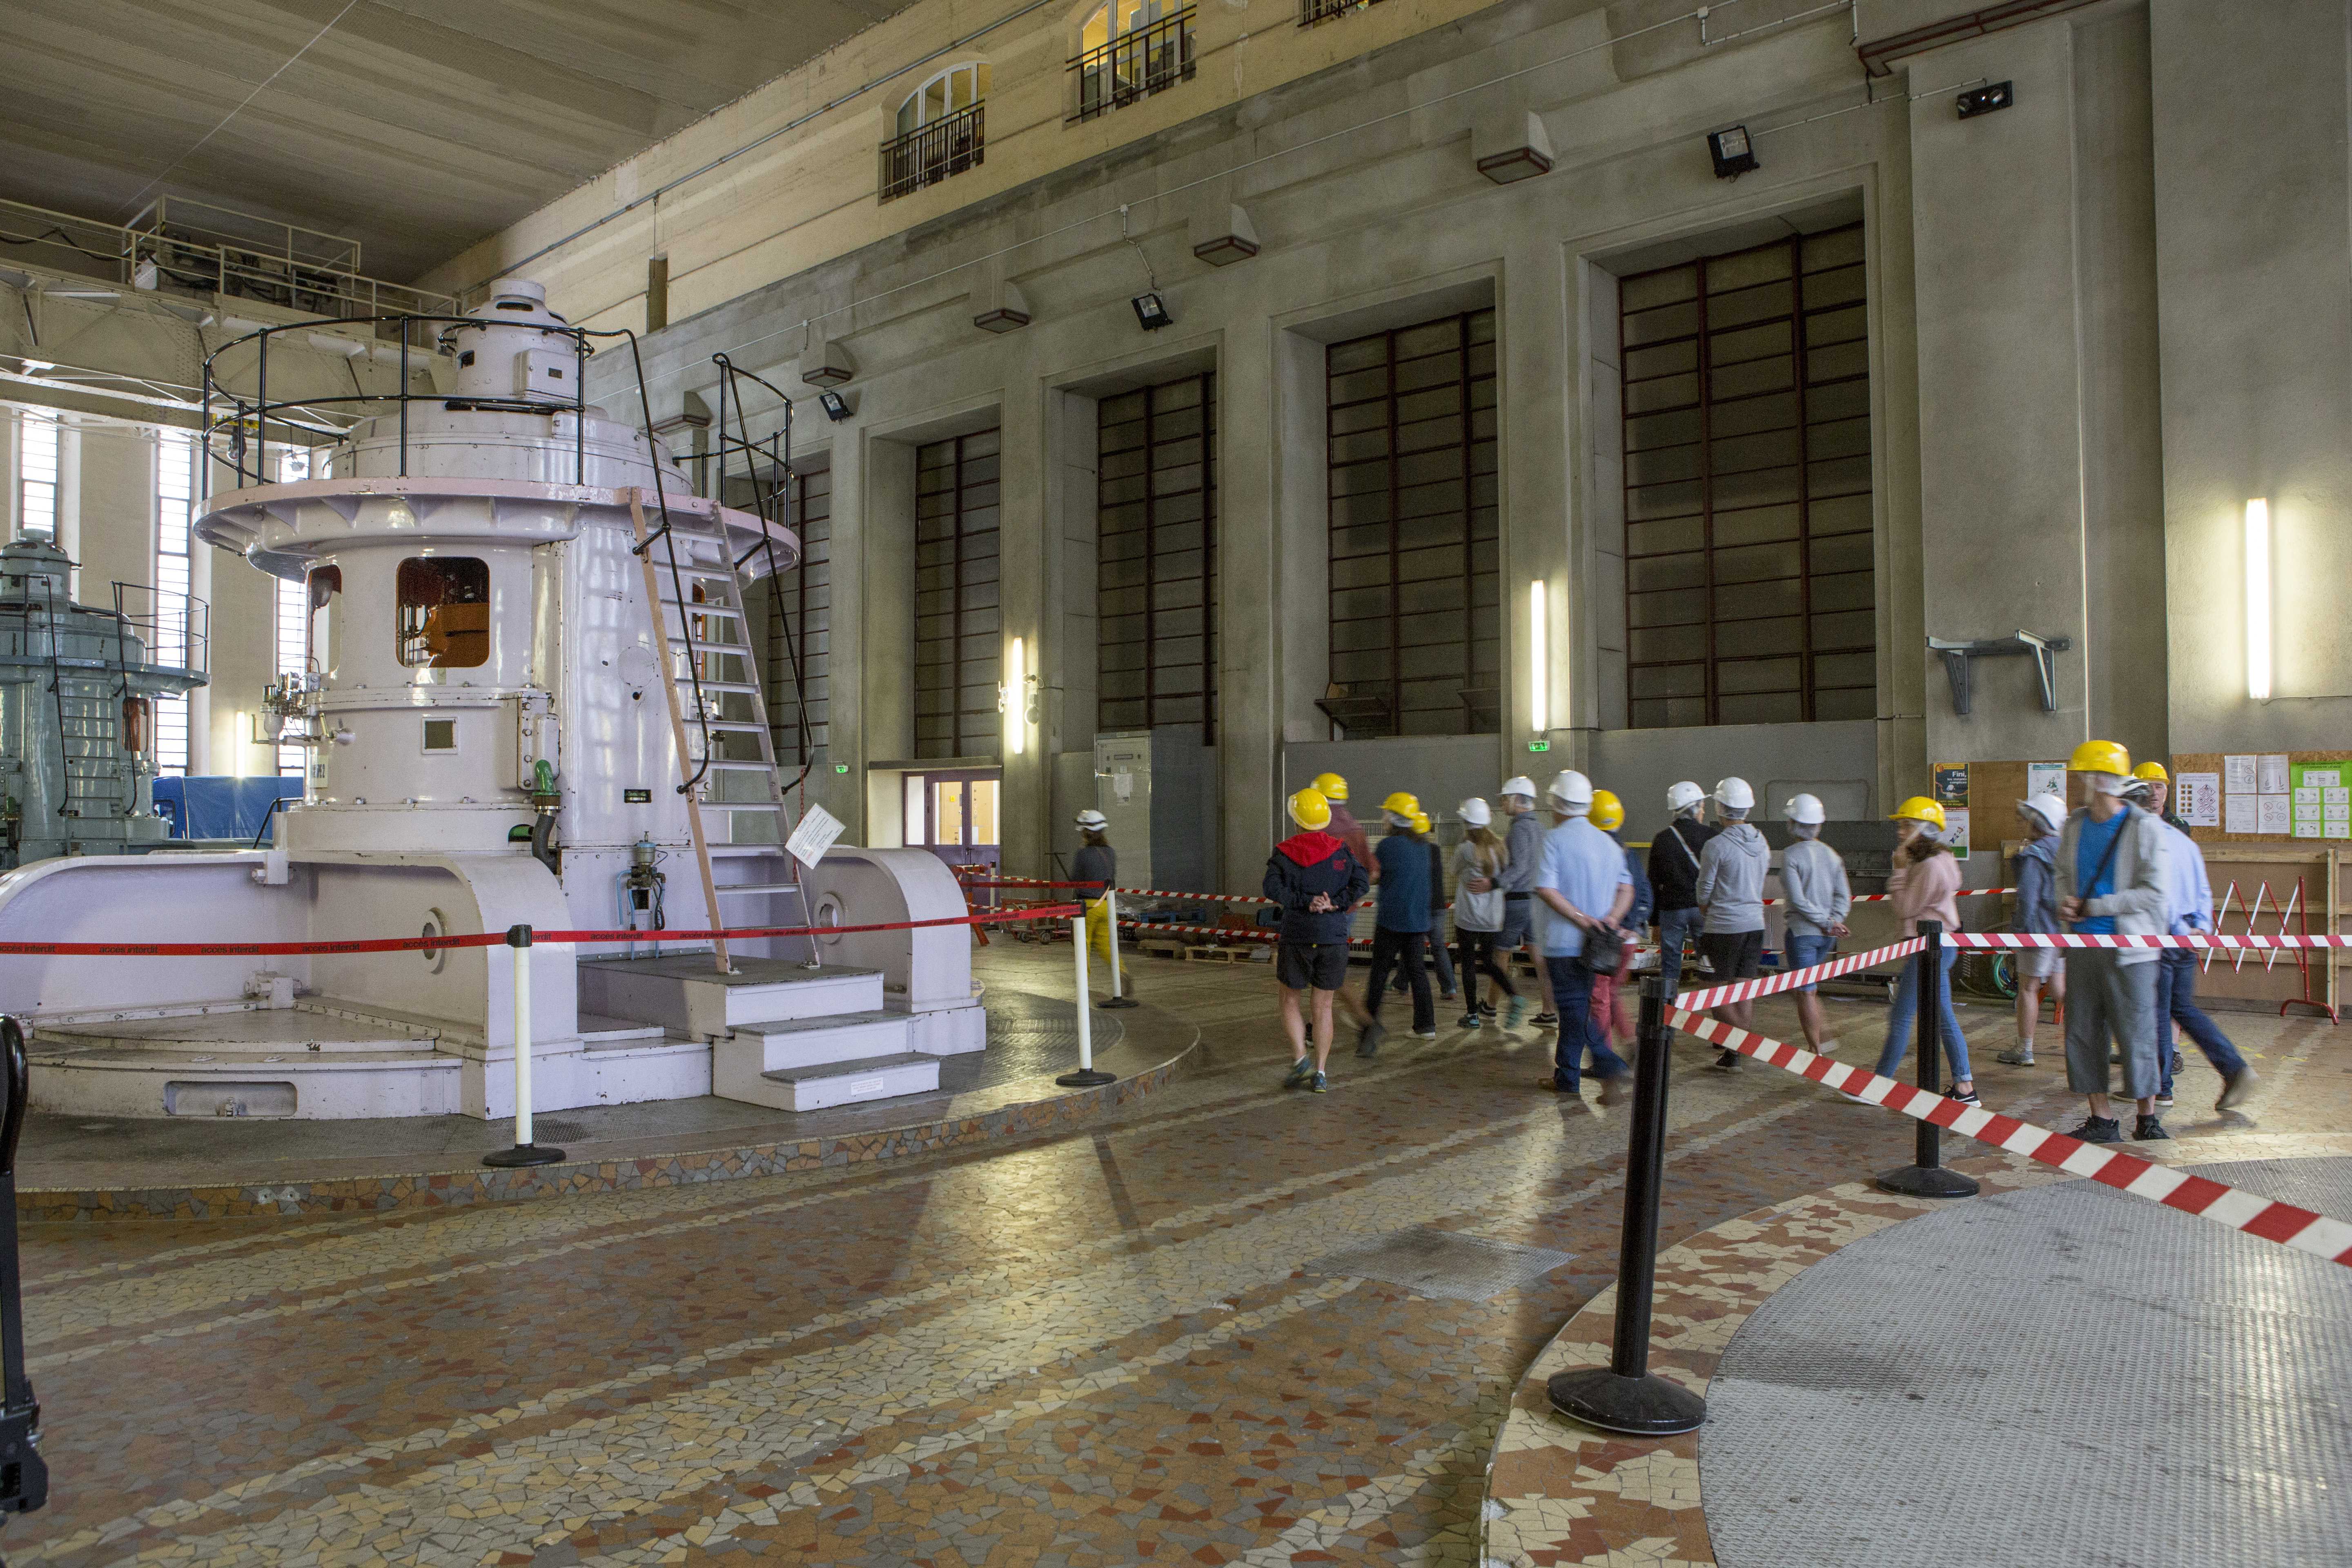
[(89, 737), (713, 691)]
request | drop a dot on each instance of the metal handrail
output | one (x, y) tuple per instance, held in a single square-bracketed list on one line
[(933, 152), (256, 412), (226, 270), (1135, 65)]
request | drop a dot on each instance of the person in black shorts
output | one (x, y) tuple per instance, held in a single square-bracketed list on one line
[(1316, 882)]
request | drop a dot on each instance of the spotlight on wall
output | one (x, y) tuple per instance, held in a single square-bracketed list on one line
[(835, 407), (1152, 311), (1733, 153), (1539, 662), (1985, 100), (2258, 600)]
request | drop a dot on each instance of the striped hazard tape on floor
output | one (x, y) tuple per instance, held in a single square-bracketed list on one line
[(2300, 1228)]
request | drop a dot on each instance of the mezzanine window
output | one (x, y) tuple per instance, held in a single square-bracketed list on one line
[(1130, 49)]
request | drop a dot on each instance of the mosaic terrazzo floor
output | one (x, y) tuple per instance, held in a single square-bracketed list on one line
[(1100, 1344)]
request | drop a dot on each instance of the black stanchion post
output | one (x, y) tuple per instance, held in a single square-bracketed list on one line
[(1925, 1177), (1626, 1396), (24, 1478)]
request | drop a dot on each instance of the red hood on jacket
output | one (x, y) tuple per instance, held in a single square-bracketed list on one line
[(1311, 848)]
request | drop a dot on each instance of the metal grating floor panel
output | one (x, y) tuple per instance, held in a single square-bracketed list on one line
[(2056, 1377), (1444, 1264)]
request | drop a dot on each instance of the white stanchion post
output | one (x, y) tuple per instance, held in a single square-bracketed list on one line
[(524, 1152), (1110, 908), (1085, 1077)]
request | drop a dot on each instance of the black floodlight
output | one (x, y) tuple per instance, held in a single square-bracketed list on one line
[(1985, 100), (835, 407), (1152, 311), (1733, 153)]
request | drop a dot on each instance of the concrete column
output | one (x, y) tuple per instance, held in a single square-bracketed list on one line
[(1273, 583), (1029, 595), (2253, 202), (1999, 381)]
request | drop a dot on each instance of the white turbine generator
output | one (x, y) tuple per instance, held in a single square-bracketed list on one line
[(533, 699)]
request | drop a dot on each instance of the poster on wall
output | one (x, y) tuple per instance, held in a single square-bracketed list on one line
[(2237, 774), (1956, 830), (2046, 778), (2320, 799), (2238, 812), (2198, 799)]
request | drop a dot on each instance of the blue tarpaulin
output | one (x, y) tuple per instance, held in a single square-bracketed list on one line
[(214, 807)]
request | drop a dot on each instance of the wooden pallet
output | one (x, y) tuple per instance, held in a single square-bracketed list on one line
[(1165, 946), (1221, 954)]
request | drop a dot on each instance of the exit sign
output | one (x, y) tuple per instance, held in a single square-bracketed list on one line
[(1538, 745)]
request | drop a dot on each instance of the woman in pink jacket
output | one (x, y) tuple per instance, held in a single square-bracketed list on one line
[(1924, 878)]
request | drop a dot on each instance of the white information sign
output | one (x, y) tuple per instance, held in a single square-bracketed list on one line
[(2270, 774), (2200, 803), (2237, 815), (2238, 774), (2274, 814), (815, 836)]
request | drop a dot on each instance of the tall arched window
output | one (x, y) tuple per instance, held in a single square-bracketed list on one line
[(940, 130)]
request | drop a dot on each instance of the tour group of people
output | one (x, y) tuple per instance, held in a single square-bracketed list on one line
[(1553, 876)]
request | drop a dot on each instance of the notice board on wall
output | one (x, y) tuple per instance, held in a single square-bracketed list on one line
[(1994, 790), (2266, 797)]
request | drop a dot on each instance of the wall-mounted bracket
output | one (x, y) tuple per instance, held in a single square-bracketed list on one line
[(1955, 656)]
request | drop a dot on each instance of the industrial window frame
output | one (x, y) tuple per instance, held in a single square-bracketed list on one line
[(1387, 440), (1167, 467), (1118, 66), (1800, 643), (39, 444), (933, 140), (958, 605), (802, 604)]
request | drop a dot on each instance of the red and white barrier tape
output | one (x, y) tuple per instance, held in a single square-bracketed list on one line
[(491, 938), (2194, 939), (1765, 985), (2300, 1228)]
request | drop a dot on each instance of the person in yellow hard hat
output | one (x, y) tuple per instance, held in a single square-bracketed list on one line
[(1315, 882), (1400, 929), (2154, 790), (1612, 1013), (2112, 863), (1344, 827), (1922, 888), (1440, 959)]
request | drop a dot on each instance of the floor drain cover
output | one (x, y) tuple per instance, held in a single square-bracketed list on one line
[(547, 1129), (1443, 1263)]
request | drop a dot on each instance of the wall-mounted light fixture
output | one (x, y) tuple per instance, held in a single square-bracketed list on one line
[(1539, 662), (835, 407), (1010, 700), (1985, 100), (2258, 599), (1152, 310), (1733, 152)]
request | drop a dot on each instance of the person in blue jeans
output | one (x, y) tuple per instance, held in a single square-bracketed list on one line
[(1924, 880), (2188, 905), (1401, 928), (1586, 887), (1674, 879), (1813, 880)]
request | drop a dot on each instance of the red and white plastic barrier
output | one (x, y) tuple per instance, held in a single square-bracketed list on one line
[(1765, 985), (2195, 940), (2301, 1229)]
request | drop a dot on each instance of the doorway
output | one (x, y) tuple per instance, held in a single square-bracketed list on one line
[(954, 815)]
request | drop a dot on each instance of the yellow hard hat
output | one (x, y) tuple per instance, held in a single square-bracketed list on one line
[(1608, 811), (2100, 757), (2151, 771), (1330, 787), (1919, 808), (1421, 822), (1311, 809), (1402, 803)]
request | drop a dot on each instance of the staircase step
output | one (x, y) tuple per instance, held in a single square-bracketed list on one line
[(813, 1042), (839, 1083), (682, 991)]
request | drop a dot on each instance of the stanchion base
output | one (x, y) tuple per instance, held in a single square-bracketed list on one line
[(525, 1154), (1119, 1001), (1644, 1406), (1084, 1077), (1928, 1182)]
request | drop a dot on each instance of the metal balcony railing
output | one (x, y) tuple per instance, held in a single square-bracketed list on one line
[(1134, 65), (930, 154), (1313, 11)]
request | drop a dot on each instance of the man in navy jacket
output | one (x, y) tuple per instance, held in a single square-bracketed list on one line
[(1317, 882)]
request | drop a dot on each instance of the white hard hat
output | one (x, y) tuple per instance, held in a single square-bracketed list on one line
[(1474, 812), (1093, 821), (2050, 808), (1683, 795), (1571, 788), (1733, 795), (1807, 808), (1520, 784)]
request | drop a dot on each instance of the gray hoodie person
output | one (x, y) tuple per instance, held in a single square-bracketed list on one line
[(1812, 877), (1731, 878)]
